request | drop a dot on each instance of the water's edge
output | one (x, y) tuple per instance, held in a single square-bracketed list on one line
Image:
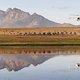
[(39, 44)]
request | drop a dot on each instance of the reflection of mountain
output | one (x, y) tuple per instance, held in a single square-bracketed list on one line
[(17, 62), (17, 58)]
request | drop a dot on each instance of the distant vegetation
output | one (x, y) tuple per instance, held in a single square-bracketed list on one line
[(40, 35)]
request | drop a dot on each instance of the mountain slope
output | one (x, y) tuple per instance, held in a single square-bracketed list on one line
[(20, 19)]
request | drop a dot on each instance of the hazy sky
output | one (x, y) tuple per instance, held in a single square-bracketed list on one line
[(56, 10)]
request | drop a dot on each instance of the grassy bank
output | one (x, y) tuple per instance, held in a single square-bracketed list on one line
[(16, 37), (40, 40)]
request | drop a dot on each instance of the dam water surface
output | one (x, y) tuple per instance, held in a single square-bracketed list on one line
[(23, 63)]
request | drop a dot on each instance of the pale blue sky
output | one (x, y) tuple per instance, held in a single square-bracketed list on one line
[(56, 10)]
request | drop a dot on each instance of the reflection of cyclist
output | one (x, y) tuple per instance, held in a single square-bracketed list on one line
[(78, 64)]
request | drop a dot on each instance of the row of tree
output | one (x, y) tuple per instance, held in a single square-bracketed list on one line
[(48, 33)]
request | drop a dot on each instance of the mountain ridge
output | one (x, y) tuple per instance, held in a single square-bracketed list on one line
[(17, 18)]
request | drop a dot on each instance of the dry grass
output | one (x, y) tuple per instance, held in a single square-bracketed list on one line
[(7, 38)]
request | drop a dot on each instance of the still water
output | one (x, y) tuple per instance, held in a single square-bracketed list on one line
[(39, 64)]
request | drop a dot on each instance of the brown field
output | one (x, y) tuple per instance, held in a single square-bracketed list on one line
[(16, 31), (60, 35)]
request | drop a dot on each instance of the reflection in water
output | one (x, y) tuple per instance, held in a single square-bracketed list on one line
[(17, 62), (24, 63), (16, 59), (39, 50), (78, 64)]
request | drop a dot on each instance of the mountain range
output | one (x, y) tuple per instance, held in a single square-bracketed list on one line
[(16, 18)]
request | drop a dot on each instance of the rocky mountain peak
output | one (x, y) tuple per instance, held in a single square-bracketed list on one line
[(35, 14), (15, 13), (14, 17), (9, 9), (2, 12)]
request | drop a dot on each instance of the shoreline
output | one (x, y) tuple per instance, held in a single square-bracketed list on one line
[(39, 44)]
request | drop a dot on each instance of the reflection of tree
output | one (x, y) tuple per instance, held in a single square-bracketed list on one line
[(36, 50)]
